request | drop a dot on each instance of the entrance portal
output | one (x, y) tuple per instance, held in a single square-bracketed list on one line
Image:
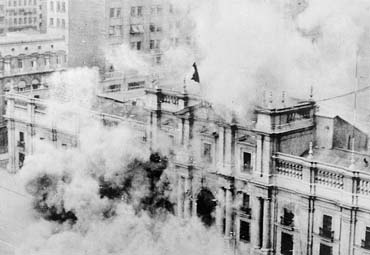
[(206, 204)]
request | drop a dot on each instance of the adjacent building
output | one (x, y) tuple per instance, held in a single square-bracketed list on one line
[(146, 26), (26, 61), (22, 14)]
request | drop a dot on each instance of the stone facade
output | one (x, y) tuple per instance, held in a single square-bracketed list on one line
[(259, 183)]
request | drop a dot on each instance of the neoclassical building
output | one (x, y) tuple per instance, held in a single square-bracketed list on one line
[(25, 65), (285, 181)]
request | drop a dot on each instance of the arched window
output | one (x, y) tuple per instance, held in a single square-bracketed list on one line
[(21, 85), (35, 84)]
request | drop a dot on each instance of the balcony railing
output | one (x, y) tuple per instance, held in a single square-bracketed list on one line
[(327, 234), (21, 144), (365, 244), (246, 211), (287, 222)]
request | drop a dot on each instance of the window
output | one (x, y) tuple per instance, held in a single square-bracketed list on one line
[(51, 6), (20, 63), (207, 152), (118, 12), (244, 231), (51, 22), (58, 6), (133, 12), (246, 160), (159, 10), (366, 243), (158, 60), (111, 13), (325, 249), (325, 231), (286, 244), (21, 160), (63, 23), (326, 222), (21, 136), (245, 207), (288, 218), (246, 199), (135, 85), (138, 45), (152, 27), (111, 30), (63, 7), (139, 11), (151, 44)]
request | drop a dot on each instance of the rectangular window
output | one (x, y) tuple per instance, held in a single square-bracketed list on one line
[(247, 160), (135, 85), (246, 199), (286, 244), (51, 22), (152, 27), (151, 44), (138, 45), (367, 235), (118, 13), (111, 13), (326, 222), (133, 11), (139, 11), (325, 249), (21, 160), (207, 153), (21, 136), (244, 231), (20, 63), (51, 6), (63, 7)]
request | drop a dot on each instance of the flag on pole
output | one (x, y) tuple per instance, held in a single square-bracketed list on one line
[(195, 74)]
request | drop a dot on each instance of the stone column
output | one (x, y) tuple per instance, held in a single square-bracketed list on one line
[(266, 241), (220, 209), (187, 201), (30, 131), (256, 223), (180, 194), (11, 146), (228, 211)]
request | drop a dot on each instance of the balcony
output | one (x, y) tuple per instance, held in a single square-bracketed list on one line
[(365, 244), (21, 145), (326, 233), (287, 222), (246, 211)]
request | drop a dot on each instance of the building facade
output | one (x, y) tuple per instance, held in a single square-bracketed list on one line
[(25, 66), (146, 26), (22, 14), (263, 183)]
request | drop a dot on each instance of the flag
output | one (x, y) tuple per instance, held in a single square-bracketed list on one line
[(195, 74)]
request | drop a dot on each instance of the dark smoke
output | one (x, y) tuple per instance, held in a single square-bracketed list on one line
[(43, 188), (141, 184)]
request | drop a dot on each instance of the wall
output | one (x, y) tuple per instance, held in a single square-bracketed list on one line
[(324, 132), (343, 130)]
